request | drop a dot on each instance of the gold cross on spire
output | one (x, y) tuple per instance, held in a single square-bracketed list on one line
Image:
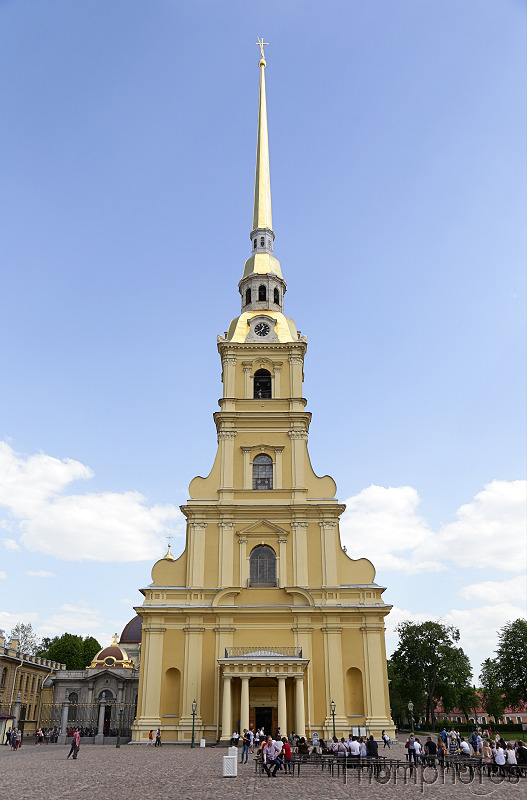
[(262, 44)]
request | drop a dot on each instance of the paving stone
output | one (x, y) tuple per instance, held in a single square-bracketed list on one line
[(140, 772)]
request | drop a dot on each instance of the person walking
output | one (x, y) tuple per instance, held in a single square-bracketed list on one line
[(150, 738), (8, 736), (386, 740), (158, 738), (76, 742)]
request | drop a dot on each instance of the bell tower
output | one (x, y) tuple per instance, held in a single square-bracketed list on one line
[(263, 616)]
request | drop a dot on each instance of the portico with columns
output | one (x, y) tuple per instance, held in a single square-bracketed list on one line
[(263, 619)]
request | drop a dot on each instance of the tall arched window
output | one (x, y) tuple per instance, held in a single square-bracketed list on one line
[(262, 472), (3, 679), (277, 297), (262, 384), (247, 297), (262, 293), (262, 566), (73, 697)]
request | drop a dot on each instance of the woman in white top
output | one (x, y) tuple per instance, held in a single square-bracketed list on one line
[(511, 755), (418, 748)]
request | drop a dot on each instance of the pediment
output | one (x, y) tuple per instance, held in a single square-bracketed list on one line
[(262, 528)]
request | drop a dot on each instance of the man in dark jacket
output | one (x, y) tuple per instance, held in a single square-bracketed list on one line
[(371, 748)]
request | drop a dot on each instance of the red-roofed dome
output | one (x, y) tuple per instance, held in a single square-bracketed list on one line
[(132, 631)]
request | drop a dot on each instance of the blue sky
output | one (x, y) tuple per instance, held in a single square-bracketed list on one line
[(397, 141)]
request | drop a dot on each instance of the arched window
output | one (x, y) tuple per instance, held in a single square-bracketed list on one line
[(73, 697), (247, 297), (33, 684), (262, 241), (277, 297), (3, 679), (262, 566), (262, 472), (255, 243), (262, 293), (262, 384)]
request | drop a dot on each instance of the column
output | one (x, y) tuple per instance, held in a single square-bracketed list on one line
[(298, 450), (282, 578), (244, 705), (229, 371), (247, 482), (192, 673), (99, 739), (120, 687), (243, 562), (377, 710), (151, 675), (63, 722), (328, 535), (226, 710), (247, 380), (226, 444), (196, 558), (295, 370), (282, 706), (16, 710), (226, 554), (90, 693), (276, 393), (300, 576), (334, 679), (278, 452), (300, 718)]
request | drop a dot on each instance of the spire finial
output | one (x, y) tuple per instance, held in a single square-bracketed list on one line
[(261, 45), (262, 217), (169, 556)]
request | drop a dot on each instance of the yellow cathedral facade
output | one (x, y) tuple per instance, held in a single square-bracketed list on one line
[(263, 620)]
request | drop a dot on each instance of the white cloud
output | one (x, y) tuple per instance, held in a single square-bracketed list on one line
[(489, 531), (78, 618), (8, 620), (10, 544), (382, 524), (3, 575), (495, 591), (41, 573), (103, 526)]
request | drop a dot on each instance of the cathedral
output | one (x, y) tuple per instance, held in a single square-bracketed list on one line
[(263, 620)]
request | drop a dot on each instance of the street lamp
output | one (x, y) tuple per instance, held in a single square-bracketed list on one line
[(121, 709), (333, 707), (194, 707), (411, 710)]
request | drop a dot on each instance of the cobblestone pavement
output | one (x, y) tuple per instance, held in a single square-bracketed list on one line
[(138, 772)]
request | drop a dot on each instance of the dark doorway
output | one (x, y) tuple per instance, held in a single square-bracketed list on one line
[(264, 716), (107, 720)]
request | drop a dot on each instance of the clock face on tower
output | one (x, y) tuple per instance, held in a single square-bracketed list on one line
[(261, 329)]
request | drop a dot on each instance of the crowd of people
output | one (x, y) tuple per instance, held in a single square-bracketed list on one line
[(479, 745)]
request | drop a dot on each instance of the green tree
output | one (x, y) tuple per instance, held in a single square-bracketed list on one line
[(72, 650), (491, 691), (431, 665), (468, 701), (511, 662), (90, 648), (27, 640)]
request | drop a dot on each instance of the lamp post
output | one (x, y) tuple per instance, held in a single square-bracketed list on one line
[(121, 709), (194, 707), (333, 707), (411, 710)]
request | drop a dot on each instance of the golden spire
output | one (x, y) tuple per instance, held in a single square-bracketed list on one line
[(262, 217), (114, 639), (169, 556)]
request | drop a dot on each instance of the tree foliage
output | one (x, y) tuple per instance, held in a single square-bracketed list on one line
[(27, 639), (491, 691), (72, 650), (511, 662), (429, 666)]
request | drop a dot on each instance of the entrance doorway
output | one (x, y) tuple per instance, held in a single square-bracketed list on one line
[(107, 720), (264, 717)]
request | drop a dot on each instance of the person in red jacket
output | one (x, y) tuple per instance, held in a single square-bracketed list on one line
[(287, 755)]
